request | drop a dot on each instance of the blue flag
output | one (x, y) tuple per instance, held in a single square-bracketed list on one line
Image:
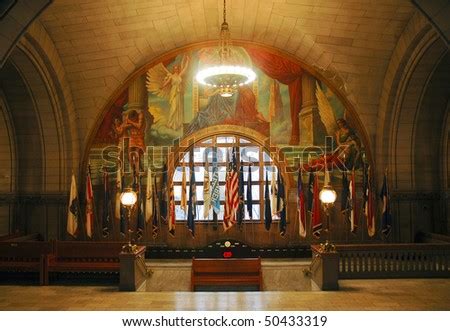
[(281, 205), (215, 192), (192, 204), (267, 208), (249, 193), (386, 220)]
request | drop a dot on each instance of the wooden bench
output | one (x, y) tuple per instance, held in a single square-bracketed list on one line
[(226, 272), (77, 256), (25, 257), (21, 237)]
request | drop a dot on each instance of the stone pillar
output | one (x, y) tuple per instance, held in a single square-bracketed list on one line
[(325, 267), (311, 127), (137, 94), (133, 272)]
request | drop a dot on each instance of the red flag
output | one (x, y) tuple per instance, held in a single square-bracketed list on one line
[(353, 213), (231, 194), (315, 217), (89, 205)]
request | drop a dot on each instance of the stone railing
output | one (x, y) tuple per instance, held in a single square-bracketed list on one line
[(394, 261)]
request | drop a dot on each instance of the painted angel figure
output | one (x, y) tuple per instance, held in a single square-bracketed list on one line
[(169, 85), (348, 152)]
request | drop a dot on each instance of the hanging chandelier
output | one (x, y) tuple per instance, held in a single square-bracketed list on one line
[(228, 75)]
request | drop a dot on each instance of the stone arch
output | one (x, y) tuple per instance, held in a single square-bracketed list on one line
[(404, 123)]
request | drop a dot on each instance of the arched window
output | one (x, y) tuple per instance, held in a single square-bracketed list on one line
[(200, 155)]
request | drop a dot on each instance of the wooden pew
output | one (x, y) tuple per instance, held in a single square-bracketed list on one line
[(28, 237), (26, 256), (228, 272), (78, 256)]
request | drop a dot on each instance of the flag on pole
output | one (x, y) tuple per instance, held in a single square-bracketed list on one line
[(273, 193), (172, 216), (310, 192), (241, 206), (183, 202), (155, 218), (89, 205), (267, 209), (301, 205), (163, 193), (281, 206), (386, 220), (368, 200), (345, 196), (249, 193), (206, 192), (352, 203), (119, 209), (192, 204), (315, 216), (107, 209), (74, 208), (215, 192), (231, 193), (149, 198), (141, 216)]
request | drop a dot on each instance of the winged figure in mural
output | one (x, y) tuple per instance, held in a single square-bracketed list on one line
[(169, 85), (348, 152)]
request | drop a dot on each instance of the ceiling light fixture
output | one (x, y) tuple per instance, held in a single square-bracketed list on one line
[(227, 76)]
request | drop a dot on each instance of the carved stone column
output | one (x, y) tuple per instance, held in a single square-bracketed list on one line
[(137, 94), (311, 127)]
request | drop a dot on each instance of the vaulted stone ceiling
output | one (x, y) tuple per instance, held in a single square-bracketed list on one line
[(101, 42)]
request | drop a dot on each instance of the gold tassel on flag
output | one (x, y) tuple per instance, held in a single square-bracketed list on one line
[(149, 197), (73, 212)]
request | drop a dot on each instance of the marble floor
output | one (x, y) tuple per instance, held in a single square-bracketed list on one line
[(405, 294)]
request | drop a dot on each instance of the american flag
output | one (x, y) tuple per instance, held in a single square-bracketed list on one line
[(231, 193)]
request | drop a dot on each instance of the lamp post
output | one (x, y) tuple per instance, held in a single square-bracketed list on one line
[(128, 199), (327, 196)]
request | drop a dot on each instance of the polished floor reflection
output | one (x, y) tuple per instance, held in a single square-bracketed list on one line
[(406, 294)]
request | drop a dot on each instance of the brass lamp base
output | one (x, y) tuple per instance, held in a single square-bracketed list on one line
[(129, 248)]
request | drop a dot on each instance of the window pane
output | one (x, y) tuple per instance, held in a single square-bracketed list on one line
[(269, 170), (255, 214), (199, 193), (199, 174), (255, 192), (177, 174), (179, 213), (185, 158), (222, 173), (199, 154), (250, 154), (244, 141), (207, 141), (222, 154), (255, 173), (266, 157), (222, 192), (226, 140), (177, 192)]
